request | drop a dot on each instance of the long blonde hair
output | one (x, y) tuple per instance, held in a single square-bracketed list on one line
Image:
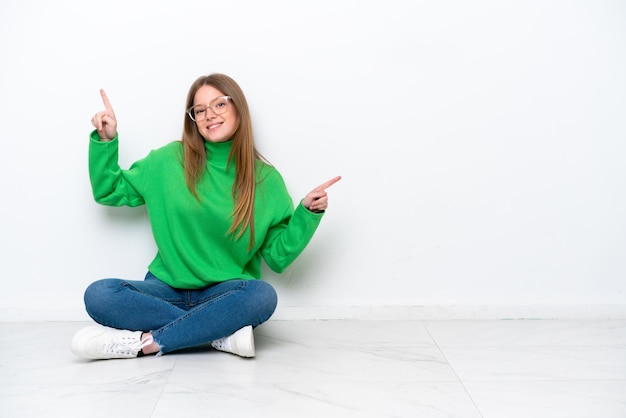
[(243, 153)]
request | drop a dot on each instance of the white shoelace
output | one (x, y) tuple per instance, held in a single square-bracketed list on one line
[(126, 345)]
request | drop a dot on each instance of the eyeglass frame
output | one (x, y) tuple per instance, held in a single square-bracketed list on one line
[(190, 110)]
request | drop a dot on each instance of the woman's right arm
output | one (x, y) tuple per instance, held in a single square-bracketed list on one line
[(110, 184)]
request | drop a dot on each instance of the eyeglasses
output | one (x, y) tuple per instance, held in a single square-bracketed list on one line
[(218, 106)]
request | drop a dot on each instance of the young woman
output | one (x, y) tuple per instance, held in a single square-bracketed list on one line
[(216, 209)]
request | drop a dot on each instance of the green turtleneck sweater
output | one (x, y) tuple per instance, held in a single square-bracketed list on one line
[(195, 249)]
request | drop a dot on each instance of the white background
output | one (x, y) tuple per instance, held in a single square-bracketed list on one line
[(481, 144)]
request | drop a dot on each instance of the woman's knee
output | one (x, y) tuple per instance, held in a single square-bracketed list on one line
[(262, 290), (98, 295), (265, 296)]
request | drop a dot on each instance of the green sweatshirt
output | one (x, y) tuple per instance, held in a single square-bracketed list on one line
[(194, 247)]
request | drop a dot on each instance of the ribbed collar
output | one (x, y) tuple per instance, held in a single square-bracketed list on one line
[(217, 152)]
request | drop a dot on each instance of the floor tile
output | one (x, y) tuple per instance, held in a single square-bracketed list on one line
[(528, 332), (134, 400), (288, 361), (319, 399), (554, 399), (537, 363), (341, 368)]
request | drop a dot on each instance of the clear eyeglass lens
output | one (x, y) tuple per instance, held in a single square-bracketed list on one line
[(218, 106)]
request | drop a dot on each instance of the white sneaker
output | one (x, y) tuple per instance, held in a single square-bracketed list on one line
[(240, 343), (100, 342)]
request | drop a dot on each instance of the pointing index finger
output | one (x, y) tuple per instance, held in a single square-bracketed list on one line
[(329, 183), (107, 103)]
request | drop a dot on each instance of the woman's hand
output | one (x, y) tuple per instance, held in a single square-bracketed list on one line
[(317, 199), (105, 122)]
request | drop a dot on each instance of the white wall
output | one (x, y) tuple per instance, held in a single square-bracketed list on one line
[(481, 144)]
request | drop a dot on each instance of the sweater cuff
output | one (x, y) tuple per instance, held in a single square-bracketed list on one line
[(93, 136), (309, 213)]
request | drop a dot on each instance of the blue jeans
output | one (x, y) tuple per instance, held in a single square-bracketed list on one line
[(178, 318)]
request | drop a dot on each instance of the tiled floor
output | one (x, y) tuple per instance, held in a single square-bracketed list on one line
[(490, 369)]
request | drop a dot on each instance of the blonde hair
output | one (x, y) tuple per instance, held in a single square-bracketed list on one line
[(243, 153)]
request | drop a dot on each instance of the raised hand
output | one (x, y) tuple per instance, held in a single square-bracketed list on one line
[(317, 199), (105, 122)]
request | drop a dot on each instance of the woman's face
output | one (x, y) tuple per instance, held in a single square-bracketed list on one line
[(213, 127)]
